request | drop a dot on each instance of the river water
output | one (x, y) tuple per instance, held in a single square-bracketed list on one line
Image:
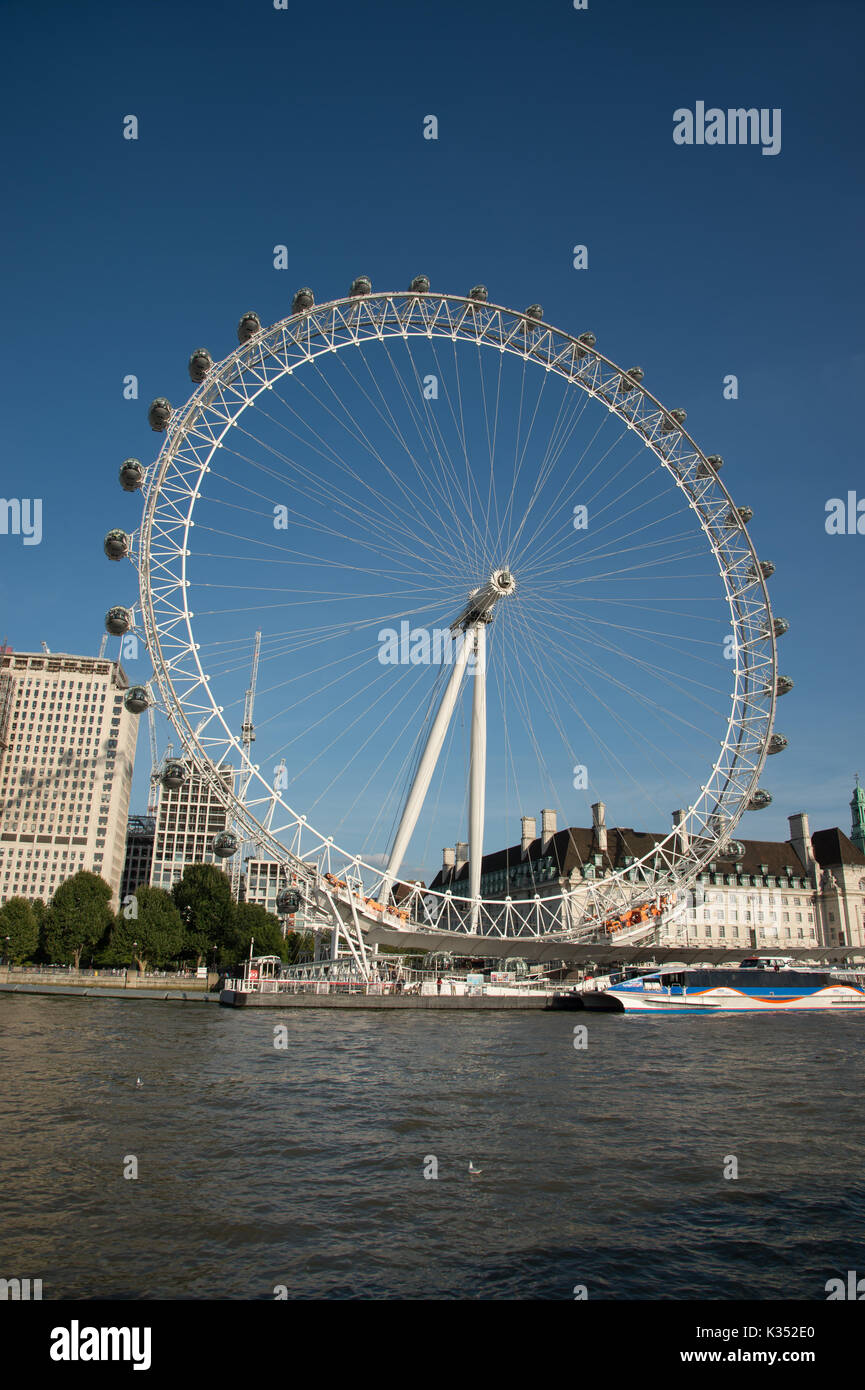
[(303, 1167)]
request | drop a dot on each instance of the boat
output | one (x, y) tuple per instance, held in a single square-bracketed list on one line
[(758, 985)]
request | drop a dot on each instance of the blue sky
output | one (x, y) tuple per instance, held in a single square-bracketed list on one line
[(260, 127)]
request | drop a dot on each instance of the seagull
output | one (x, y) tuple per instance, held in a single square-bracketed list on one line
[(475, 1172), (138, 1083)]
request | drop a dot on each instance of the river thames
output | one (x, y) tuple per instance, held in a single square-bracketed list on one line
[(303, 1166)]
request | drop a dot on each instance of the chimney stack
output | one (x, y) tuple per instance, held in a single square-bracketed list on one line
[(448, 860), (682, 837), (529, 833), (599, 827), (462, 854), (800, 836), (548, 827)]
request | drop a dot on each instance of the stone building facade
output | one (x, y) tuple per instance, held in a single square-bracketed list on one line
[(67, 747), (808, 890)]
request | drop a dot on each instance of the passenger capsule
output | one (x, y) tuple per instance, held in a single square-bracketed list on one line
[(303, 301), (714, 463), (766, 568), (174, 774), (131, 475), (737, 516), (249, 325), (760, 800), (589, 339), (674, 419), (780, 626), (362, 285), (116, 545), (478, 292), (136, 699), (630, 379), (734, 849), (536, 312), (159, 414), (419, 285), (288, 900), (783, 686), (777, 744), (224, 845), (118, 621), (200, 364)]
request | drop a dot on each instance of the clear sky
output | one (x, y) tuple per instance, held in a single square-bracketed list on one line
[(304, 127)]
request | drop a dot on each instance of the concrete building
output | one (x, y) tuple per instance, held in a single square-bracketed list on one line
[(67, 747), (262, 881), (186, 821), (140, 836), (758, 894)]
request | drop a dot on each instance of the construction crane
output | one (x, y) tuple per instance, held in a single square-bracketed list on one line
[(247, 728), (155, 760), (247, 738)]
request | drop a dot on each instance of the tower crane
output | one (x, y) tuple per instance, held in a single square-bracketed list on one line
[(247, 738)]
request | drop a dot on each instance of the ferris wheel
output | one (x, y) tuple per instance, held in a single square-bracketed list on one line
[(475, 566)]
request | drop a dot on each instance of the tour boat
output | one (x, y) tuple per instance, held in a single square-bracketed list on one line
[(756, 986)]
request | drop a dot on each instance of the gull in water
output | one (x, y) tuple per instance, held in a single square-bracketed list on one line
[(138, 1083)]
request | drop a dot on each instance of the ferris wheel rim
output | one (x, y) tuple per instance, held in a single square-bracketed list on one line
[(223, 376)]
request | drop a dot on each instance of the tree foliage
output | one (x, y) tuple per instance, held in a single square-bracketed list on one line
[(203, 899), (148, 930), (18, 923), (77, 918), (252, 922)]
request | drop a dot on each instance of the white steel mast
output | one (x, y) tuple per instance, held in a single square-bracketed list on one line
[(471, 626)]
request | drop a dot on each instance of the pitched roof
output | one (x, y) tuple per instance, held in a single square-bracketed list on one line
[(833, 847), (572, 848)]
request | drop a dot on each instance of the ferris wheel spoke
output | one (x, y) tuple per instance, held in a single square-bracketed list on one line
[(568, 480), (588, 728), (360, 513), (619, 720), (367, 512), (640, 506), (471, 485), (308, 523), (449, 480), (661, 671), (398, 436), (412, 499)]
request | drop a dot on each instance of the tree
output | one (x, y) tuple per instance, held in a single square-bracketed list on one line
[(252, 921), (298, 944), (77, 918), (203, 899), (148, 930), (18, 923)]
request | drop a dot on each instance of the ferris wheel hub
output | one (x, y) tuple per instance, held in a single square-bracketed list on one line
[(479, 609)]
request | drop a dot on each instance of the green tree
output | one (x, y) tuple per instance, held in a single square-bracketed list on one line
[(298, 944), (253, 922), (203, 899), (77, 918), (147, 930), (18, 922)]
